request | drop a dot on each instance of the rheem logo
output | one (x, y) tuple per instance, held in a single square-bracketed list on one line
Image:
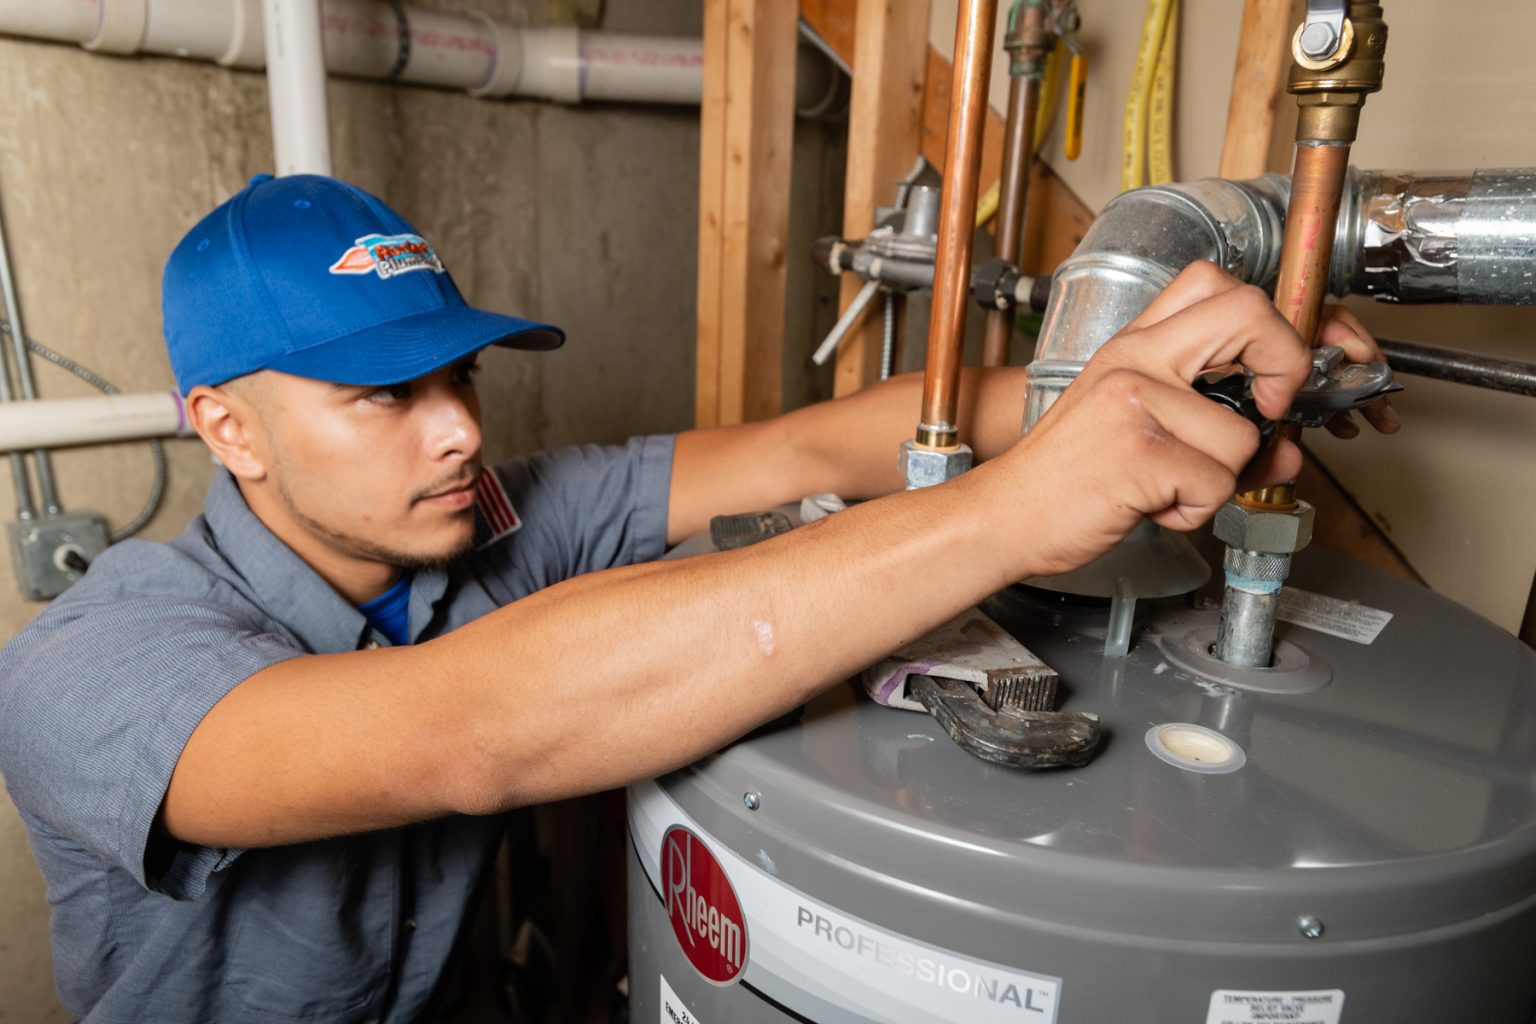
[(703, 907)]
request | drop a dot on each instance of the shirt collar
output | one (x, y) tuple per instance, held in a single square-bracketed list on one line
[(288, 589)]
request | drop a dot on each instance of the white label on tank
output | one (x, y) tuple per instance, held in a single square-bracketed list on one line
[(673, 1009), (1232, 1007), (803, 947), (1346, 620)]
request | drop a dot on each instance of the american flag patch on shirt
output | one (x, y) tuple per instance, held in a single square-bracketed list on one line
[(494, 515)]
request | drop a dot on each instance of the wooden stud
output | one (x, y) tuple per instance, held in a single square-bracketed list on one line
[(1341, 525), (746, 134), (836, 20), (884, 137), (1258, 86), (711, 215)]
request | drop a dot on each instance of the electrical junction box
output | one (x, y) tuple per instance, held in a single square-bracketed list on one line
[(51, 554)]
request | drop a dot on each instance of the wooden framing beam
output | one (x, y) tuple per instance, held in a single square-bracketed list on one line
[(745, 136), (1258, 86), (885, 128), (836, 20)]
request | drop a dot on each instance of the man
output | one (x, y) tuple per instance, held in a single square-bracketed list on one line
[(260, 765)]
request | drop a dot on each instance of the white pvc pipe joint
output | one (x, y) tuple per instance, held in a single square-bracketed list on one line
[(62, 422), (119, 27)]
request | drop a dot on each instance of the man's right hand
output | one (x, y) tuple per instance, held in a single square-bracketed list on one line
[(1131, 439)]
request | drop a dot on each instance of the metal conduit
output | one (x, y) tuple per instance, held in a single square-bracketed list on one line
[(25, 509)]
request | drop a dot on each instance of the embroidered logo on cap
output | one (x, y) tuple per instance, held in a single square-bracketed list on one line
[(388, 255)]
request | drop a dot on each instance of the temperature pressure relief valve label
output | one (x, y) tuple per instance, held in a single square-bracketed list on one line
[(1229, 1006)]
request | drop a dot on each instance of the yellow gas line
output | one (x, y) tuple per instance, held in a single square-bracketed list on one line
[(1072, 145), (1154, 26), (1050, 92), (1160, 117), (986, 206)]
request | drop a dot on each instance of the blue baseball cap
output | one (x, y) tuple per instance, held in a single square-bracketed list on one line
[(314, 277)]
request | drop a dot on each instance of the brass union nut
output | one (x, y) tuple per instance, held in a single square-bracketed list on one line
[(1252, 529)]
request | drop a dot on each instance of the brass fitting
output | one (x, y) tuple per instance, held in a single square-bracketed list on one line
[(1029, 39), (938, 435), (1331, 92)]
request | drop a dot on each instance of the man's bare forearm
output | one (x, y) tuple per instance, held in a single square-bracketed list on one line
[(586, 685)]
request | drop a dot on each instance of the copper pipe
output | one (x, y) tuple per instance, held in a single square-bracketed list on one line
[(1329, 94), (1018, 146), (957, 224), (1316, 187)]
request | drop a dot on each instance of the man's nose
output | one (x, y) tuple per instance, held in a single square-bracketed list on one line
[(454, 424)]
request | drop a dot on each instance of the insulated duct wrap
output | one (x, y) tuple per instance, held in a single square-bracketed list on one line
[(1454, 237)]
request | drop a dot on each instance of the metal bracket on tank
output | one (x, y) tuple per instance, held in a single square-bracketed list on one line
[(1009, 735)]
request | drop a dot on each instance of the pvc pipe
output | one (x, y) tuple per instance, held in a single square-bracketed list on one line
[(120, 27), (361, 38), (295, 85), (448, 50), (67, 21), (550, 64), (60, 422), (646, 69), (229, 32)]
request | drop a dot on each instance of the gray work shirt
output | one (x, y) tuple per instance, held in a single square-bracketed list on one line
[(99, 695)]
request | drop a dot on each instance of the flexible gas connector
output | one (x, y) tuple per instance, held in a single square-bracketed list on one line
[(1138, 100)]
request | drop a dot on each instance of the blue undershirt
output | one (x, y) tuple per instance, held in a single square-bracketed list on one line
[(389, 613)]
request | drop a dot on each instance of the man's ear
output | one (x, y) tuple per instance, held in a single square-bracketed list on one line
[(230, 425)]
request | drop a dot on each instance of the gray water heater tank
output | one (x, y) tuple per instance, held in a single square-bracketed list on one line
[(1347, 838)]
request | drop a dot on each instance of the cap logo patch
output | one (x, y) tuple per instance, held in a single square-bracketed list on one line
[(388, 256)]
